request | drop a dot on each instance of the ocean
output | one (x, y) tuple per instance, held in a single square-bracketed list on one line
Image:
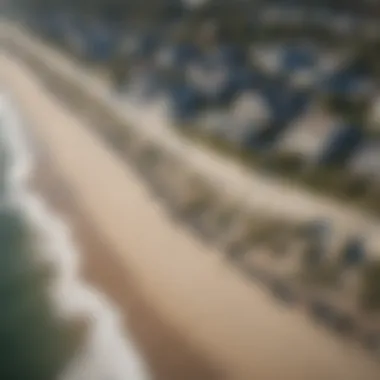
[(53, 326)]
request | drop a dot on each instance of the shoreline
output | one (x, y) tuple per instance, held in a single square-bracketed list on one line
[(43, 194), (74, 303), (165, 352), (219, 312)]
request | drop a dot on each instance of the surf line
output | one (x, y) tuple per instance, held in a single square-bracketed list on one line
[(108, 353)]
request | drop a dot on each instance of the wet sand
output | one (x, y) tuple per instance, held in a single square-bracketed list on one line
[(224, 317)]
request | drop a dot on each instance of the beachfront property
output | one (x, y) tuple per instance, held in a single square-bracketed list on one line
[(282, 97), (302, 95)]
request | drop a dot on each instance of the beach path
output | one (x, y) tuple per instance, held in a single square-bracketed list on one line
[(230, 321)]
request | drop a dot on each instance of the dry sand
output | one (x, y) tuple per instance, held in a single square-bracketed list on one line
[(227, 320)]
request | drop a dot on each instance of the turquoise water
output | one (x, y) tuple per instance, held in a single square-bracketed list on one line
[(52, 326)]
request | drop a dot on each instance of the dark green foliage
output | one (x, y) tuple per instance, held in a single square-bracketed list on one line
[(285, 164), (372, 199), (370, 292), (325, 275)]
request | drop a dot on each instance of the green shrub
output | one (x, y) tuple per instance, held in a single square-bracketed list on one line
[(326, 274), (353, 110), (287, 164), (355, 187), (324, 179), (370, 290), (372, 200)]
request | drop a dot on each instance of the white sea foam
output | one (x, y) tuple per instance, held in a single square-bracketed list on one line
[(108, 354)]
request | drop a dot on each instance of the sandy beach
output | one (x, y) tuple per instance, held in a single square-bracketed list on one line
[(173, 287), (165, 352)]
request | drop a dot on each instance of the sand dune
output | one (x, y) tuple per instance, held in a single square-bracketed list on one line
[(228, 320)]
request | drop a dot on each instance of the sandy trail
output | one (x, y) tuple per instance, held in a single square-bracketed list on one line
[(227, 319)]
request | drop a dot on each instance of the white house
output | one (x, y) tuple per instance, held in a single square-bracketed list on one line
[(249, 111), (308, 134)]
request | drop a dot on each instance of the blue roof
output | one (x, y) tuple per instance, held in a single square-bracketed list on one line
[(298, 57), (342, 145)]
